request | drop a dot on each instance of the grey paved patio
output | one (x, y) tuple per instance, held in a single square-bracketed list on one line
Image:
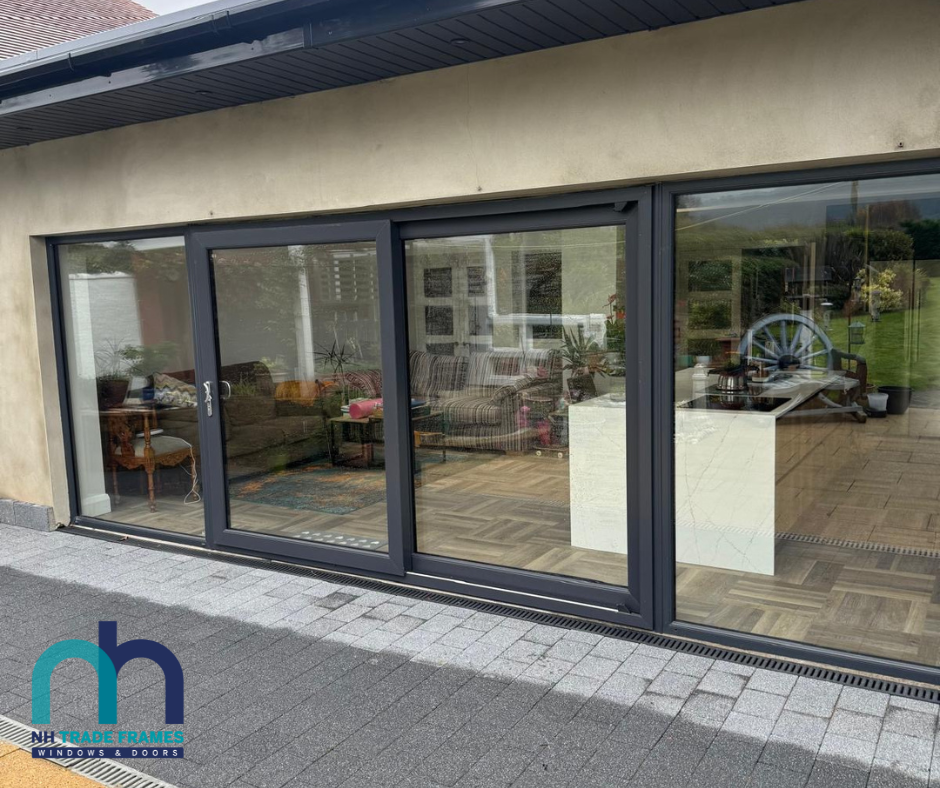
[(300, 682)]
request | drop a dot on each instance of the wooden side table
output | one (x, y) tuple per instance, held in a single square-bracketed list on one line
[(366, 430), (430, 426), (423, 422)]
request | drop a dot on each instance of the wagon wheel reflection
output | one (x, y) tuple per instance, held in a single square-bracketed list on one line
[(785, 341)]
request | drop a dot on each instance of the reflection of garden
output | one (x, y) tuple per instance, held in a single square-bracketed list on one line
[(901, 347), (872, 269)]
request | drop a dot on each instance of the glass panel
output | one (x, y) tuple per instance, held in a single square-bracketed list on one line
[(129, 343), (301, 378), (807, 419), (520, 422)]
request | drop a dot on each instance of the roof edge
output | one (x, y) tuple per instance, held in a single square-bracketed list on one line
[(213, 25)]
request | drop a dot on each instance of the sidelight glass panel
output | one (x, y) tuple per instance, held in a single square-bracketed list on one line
[(129, 344), (807, 414), (518, 400), (301, 384)]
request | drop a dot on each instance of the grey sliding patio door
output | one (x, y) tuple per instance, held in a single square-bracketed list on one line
[(301, 392)]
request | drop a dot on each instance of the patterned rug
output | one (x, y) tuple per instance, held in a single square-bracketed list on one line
[(321, 487)]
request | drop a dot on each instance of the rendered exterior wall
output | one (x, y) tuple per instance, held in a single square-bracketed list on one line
[(813, 83)]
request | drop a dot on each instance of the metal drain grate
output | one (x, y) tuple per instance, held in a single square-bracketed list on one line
[(16, 733), (105, 771), (877, 547), (604, 629)]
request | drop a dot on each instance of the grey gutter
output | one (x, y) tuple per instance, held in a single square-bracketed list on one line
[(217, 24), (189, 30)]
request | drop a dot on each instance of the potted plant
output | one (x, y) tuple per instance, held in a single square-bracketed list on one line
[(614, 325), (337, 357), (877, 401), (582, 358), (111, 375), (144, 361), (898, 399)]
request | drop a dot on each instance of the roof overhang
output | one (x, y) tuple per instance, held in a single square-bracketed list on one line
[(227, 53)]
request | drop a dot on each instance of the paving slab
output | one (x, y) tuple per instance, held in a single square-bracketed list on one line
[(301, 681)]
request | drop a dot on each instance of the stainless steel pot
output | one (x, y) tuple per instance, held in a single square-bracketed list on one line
[(731, 382)]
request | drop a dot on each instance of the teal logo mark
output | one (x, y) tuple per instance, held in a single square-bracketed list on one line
[(107, 659)]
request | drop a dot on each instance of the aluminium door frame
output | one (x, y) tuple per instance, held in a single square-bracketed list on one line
[(633, 602), (219, 533), (663, 408), (63, 380)]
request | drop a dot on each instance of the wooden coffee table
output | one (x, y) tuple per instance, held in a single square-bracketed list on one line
[(370, 432)]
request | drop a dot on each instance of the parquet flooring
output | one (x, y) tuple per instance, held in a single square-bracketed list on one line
[(866, 497), (857, 519), (494, 509)]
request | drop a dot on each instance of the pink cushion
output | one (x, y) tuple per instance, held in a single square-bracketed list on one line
[(360, 410)]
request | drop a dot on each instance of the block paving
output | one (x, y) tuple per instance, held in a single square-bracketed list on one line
[(294, 681)]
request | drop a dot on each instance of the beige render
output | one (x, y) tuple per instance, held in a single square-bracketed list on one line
[(809, 84)]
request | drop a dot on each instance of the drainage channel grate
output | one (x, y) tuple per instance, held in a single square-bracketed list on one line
[(105, 771), (604, 629)]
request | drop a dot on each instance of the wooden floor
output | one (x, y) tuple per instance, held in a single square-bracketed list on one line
[(858, 548), (509, 511), (173, 515), (857, 520), (490, 508)]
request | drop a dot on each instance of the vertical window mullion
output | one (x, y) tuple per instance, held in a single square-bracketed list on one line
[(396, 397)]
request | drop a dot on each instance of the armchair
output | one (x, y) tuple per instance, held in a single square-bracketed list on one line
[(148, 450)]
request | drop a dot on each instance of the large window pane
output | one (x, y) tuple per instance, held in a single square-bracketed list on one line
[(807, 444), (301, 378), (518, 407), (129, 344)]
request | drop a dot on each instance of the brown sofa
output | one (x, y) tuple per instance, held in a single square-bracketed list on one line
[(477, 396), (261, 431)]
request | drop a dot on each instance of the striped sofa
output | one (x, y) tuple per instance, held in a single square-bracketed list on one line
[(479, 396)]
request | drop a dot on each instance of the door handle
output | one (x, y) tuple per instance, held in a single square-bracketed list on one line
[(228, 389), (207, 385)]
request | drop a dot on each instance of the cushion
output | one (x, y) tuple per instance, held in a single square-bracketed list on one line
[(188, 432), (246, 410), (303, 392), (419, 371), (508, 365), (296, 428), (472, 410), (432, 374), (247, 439), (504, 392), (161, 444), (368, 381), (168, 390), (495, 367)]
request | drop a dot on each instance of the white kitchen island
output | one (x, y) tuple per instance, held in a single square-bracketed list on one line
[(725, 471), (597, 467), (725, 475)]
